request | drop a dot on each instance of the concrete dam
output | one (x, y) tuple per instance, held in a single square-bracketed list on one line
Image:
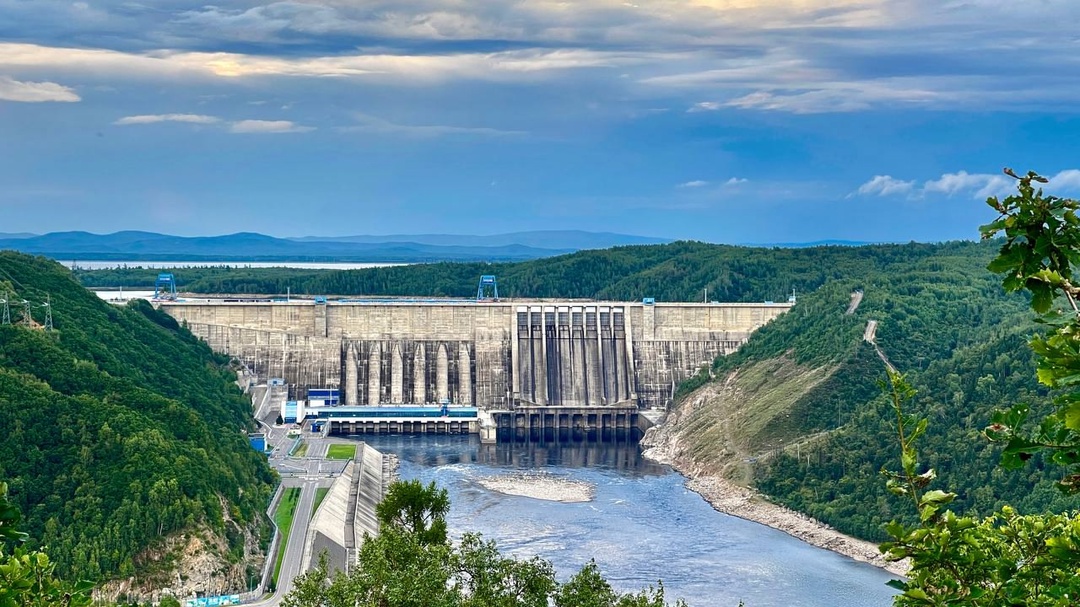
[(496, 355)]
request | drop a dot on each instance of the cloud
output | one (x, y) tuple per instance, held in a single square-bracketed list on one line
[(790, 56), (885, 185), (1067, 180), (513, 65), (962, 183), (153, 118), (35, 92), (697, 183), (706, 106), (735, 181), (268, 126), (374, 124), (979, 185)]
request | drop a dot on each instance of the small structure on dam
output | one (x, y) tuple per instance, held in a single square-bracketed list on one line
[(494, 355)]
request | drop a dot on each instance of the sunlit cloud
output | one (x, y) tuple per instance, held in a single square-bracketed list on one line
[(507, 65), (35, 92)]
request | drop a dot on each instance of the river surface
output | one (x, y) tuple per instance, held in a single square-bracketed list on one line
[(641, 525)]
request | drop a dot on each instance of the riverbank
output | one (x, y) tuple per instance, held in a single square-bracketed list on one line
[(725, 496)]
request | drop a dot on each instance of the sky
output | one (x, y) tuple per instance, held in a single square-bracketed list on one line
[(738, 121)]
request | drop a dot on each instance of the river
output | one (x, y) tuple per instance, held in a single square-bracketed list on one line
[(641, 525)]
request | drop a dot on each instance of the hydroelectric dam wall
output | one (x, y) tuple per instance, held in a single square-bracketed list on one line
[(495, 354)]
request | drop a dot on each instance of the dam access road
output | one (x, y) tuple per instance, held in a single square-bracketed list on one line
[(310, 472)]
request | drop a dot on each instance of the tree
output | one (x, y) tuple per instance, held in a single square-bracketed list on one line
[(1006, 558), (411, 507), (26, 576)]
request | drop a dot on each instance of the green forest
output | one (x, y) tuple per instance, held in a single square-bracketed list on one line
[(679, 271), (120, 429)]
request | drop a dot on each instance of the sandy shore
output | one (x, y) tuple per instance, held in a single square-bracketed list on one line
[(729, 498), (541, 486)]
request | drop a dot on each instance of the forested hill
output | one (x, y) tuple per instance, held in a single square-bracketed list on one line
[(673, 272), (798, 411), (120, 429)]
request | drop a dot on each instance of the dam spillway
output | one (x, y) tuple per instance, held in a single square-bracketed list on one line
[(497, 355)]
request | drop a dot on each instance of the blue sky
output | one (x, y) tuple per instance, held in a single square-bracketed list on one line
[(719, 120)]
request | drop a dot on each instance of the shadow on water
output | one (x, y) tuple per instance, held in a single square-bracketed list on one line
[(520, 449)]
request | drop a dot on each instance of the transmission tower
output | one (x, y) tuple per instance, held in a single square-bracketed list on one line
[(6, 318), (48, 313), (27, 317)]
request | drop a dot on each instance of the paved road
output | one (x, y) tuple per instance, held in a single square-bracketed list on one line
[(308, 473)]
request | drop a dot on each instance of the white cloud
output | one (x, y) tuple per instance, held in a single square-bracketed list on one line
[(374, 124), (962, 183), (35, 92), (153, 118), (979, 185), (697, 183), (735, 181), (268, 126), (885, 185), (1067, 180), (705, 106)]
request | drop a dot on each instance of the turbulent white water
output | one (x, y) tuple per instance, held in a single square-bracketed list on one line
[(641, 525)]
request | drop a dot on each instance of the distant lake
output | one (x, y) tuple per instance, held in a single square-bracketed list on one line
[(301, 265)]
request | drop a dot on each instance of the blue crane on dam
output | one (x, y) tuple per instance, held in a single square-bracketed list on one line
[(488, 289)]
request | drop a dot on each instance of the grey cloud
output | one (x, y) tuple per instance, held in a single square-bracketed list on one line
[(374, 124), (777, 55)]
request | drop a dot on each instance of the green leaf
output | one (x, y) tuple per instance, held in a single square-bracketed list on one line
[(1042, 297), (937, 496), (1072, 416)]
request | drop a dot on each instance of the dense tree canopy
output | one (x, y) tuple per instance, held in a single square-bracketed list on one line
[(680, 271), (120, 429)]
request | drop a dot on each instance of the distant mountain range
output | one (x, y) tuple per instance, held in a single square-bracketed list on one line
[(247, 246), (542, 239)]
